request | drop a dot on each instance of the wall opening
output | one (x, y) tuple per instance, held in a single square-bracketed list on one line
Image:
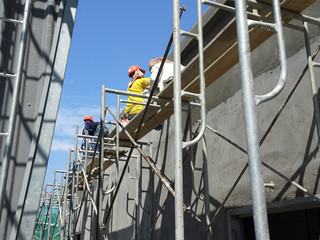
[(293, 225)]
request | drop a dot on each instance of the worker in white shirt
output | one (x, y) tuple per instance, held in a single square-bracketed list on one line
[(166, 74)]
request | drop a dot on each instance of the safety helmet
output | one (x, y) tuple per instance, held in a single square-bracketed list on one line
[(133, 68), (88, 117)]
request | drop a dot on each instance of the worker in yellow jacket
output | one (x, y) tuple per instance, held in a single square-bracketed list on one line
[(137, 84)]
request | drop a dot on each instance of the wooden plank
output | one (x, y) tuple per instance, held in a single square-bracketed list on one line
[(220, 55), (293, 5)]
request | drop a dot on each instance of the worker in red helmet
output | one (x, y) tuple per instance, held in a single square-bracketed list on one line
[(91, 128), (137, 84)]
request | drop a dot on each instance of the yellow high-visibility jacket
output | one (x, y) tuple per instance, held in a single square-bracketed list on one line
[(136, 87)]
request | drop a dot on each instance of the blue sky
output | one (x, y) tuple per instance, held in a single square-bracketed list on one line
[(108, 37)]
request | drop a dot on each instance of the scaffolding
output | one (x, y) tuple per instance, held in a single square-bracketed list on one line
[(50, 221), (187, 91), (33, 56)]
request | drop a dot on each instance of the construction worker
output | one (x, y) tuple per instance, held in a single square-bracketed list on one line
[(137, 84), (166, 75), (91, 128)]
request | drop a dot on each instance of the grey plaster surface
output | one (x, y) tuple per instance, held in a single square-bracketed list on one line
[(291, 148)]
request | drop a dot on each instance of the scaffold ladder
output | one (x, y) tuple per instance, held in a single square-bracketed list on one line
[(17, 78)]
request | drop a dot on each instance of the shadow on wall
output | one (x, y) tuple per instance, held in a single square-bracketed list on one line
[(316, 184), (308, 157)]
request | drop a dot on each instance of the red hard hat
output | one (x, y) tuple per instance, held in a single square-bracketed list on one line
[(88, 117), (133, 68)]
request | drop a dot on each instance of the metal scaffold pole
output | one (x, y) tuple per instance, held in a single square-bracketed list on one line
[(179, 223), (65, 197), (73, 185), (51, 205), (248, 98)]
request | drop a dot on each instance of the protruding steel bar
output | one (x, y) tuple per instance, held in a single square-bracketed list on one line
[(257, 188), (11, 20), (14, 106), (7, 75)]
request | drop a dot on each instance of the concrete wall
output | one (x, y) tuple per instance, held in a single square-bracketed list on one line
[(46, 52), (290, 148)]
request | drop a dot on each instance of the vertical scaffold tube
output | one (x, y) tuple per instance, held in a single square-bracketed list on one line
[(101, 158), (73, 185), (257, 187), (64, 211), (14, 106), (51, 206), (179, 224)]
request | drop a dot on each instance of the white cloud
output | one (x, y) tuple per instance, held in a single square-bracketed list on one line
[(62, 144), (67, 120)]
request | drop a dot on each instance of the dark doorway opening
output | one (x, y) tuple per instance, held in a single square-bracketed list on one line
[(294, 225)]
